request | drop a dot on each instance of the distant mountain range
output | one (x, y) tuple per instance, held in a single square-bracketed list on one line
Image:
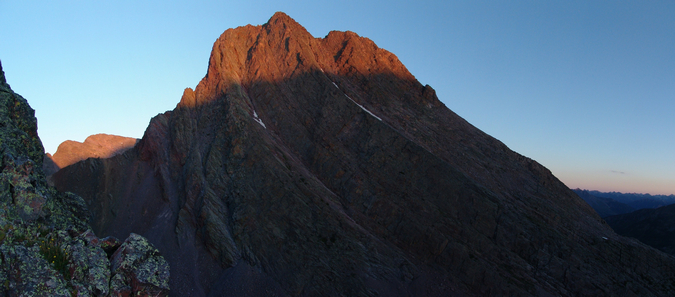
[(604, 206), (648, 218), (614, 203)]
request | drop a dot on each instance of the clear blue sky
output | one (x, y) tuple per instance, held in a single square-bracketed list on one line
[(586, 88)]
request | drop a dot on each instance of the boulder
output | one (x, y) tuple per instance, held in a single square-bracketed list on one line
[(139, 269)]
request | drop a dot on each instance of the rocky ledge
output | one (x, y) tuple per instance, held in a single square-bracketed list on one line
[(46, 246)]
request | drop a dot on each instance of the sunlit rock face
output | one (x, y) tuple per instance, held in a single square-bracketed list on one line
[(95, 146), (321, 166), (46, 246)]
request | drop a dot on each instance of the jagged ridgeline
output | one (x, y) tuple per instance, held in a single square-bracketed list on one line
[(303, 166), (46, 245)]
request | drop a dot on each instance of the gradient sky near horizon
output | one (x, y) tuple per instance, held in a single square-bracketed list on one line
[(587, 88)]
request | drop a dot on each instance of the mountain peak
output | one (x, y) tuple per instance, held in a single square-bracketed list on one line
[(321, 166), (281, 22), (95, 146), (286, 26), (282, 17)]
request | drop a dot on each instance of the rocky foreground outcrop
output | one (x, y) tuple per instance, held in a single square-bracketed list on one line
[(304, 166), (95, 146), (46, 245)]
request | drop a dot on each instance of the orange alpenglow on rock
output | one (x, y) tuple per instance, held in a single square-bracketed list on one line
[(321, 166), (95, 146)]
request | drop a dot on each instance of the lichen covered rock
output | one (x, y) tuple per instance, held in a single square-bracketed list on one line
[(46, 245), (137, 267), (30, 274), (89, 265)]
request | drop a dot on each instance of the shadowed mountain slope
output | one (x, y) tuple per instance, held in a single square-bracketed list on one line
[(321, 166), (655, 227)]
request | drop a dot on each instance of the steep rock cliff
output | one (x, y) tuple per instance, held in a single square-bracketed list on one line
[(321, 166)]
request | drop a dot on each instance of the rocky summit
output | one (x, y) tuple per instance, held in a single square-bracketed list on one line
[(95, 146), (304, 166), (46, 246)]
